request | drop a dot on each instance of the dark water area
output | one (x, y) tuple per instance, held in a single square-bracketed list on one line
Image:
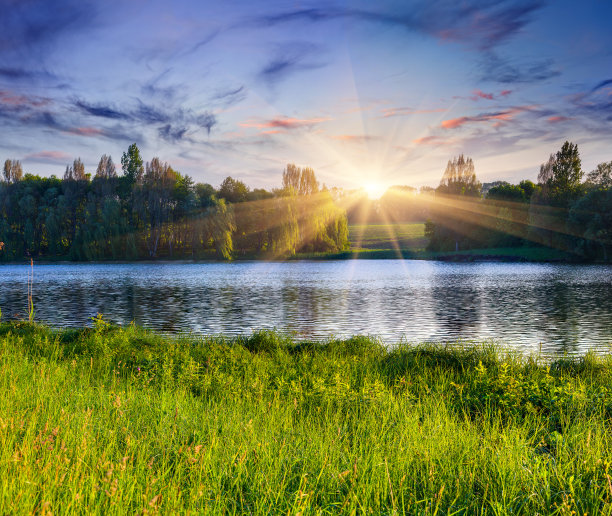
[(557, 308)]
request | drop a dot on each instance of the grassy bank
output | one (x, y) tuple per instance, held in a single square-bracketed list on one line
[(116, 421)]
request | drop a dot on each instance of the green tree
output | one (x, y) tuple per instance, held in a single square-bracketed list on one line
[(132, 164), (601, 177), (233, 190)]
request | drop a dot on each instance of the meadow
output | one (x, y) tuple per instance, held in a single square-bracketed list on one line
[(404, 236), (408, 240), (114, 421)]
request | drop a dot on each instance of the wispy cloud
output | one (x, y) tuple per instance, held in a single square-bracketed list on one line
[(430, 140), (229, 96), (283, 123), (17, 100), (508, 71), (290, 59), (502, 116), (557, 119), (48, 156), (479, 23), (354, 138), (101, 110)]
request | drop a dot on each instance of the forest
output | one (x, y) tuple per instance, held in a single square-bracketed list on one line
[(152, 211)]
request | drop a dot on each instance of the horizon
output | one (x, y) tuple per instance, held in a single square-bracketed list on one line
[(360, 94)]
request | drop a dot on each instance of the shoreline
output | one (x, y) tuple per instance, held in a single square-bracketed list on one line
[(504, 255)]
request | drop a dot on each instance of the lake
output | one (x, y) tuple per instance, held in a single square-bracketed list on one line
[(556, 307)]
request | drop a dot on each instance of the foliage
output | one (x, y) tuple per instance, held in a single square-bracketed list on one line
[(154, 211), (115, 421), (559, 213)]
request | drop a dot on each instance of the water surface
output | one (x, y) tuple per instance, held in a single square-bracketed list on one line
[(562, 308)]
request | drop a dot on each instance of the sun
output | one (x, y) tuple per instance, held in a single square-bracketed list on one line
[(374, 191)]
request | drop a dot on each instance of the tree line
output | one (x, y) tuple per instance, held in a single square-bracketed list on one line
[(566, 209), (152, 211)]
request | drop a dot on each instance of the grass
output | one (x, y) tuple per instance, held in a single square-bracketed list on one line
[(115, 421), (406, 236)]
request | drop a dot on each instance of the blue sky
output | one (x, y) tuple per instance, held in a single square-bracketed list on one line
[(361, 91)]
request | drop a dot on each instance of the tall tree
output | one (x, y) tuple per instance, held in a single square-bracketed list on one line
[(12, 171), (132, 164), (459, 178), (106, 168)]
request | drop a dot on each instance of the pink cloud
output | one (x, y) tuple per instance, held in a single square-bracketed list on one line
[(505, 93), (12, 99), (285, 123), (48, 156), (85, 131), (429, 140), (555, 119), (355, 138), (479, 94), (504, 116)]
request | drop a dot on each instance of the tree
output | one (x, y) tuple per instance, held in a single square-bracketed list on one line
[(76, 171), (601, 177), (233, 190), (132, 164), (591, 217), (459, 178), (12, 171), (561, 175), (302, 181), (106, 168), (454, 224)]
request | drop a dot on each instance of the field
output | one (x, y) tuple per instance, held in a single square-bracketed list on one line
[(406, 236), (116, 421)]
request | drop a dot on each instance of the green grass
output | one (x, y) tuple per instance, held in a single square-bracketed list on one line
[(123, 421), (407, 236)]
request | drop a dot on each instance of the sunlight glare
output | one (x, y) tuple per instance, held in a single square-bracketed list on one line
[(374, 191)]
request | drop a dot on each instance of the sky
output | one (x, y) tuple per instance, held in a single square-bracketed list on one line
[(361, 91)]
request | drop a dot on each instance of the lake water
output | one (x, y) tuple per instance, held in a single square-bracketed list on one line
[(560, 308)]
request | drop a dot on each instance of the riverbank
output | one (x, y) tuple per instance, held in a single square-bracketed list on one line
[(126, 421)]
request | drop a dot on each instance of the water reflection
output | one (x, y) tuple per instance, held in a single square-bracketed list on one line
[(566, 308)]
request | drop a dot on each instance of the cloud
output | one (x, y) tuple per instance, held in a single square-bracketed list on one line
[(505, 116), (9, 98), (354, 138), (16, 74), (556, 119), (602, 84), (230, 96), (288, 60), (596, 103), (149, 115), (172, 134), (478, 94), (48, 157), (207, 121), (101, 110), (283, 123), (31, 30), (430, 140), (496, 69), (479, 23)]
